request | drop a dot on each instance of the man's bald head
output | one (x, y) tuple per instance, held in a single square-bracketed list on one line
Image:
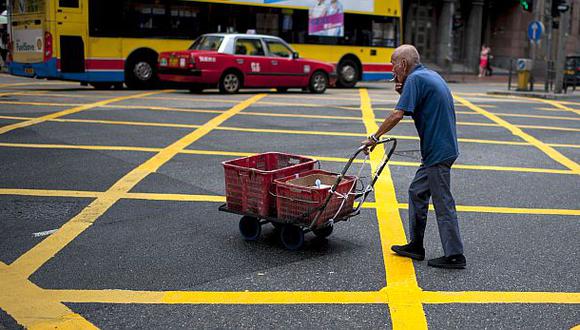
[(409, 53), (404, 59)]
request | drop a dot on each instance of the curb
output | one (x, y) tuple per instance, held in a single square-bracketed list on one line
[(538, 95)]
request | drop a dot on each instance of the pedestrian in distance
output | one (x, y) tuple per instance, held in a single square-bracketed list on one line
[(483, 60), (426, 97)]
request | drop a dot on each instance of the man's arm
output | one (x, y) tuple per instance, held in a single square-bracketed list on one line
[(391, 121)]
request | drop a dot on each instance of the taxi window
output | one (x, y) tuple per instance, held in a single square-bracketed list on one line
[(252, 47), (278, 49), (207, 43)]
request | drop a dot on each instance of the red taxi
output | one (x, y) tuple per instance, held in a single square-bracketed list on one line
[(234, 61)]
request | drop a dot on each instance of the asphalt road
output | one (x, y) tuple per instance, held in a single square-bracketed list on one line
[(109, 213)]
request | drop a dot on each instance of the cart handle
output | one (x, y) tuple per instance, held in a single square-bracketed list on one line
[(380, 169), (345, 170)]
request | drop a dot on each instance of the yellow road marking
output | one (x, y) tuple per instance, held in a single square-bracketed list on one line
[(559, 105), (34, 121), (534, 116), (499, 297), (32, 307), (258, 130), (244, 154), (45, 250), (562, 145), (402, 288), (221, 199), (289, 115), (550, 128), (550, 110), (306, 297), (43, 104), (51, 193), (29, 262), (551, 152), (36, 83), (316, 98), (217, 297)]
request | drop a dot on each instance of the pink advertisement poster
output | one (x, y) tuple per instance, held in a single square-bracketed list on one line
[(326, 18)]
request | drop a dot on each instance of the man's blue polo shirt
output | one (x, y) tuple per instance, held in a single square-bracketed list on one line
[(428, 100)]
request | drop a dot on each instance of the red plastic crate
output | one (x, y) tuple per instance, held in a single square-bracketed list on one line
[(298, 196), (250, 180)]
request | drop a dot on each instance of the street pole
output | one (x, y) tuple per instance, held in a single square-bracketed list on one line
[(549, 22), (561, 57)]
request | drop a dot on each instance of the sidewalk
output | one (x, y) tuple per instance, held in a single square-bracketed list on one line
[(540, 94)]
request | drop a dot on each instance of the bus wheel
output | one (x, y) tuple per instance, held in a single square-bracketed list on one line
[(318, 82), (230, 83), (141, 73), (102, 86), (348, 73)]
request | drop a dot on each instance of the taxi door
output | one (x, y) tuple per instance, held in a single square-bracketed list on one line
[(71, 35), (250, 58), (283, 68)]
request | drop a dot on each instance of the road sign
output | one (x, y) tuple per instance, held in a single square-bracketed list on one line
[(535, 31), (524, 64)]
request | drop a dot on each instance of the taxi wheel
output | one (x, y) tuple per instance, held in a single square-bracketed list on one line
[(230, 83), (282, 89), (318, 82)]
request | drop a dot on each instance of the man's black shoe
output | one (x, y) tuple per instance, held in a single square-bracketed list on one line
[(410, 250), (452, 262)]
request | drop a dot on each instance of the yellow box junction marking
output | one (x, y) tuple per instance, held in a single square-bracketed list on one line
[(57, 315), (34, 121), (220, 297), (16, 275), (551, 152), (244, 154), (221, 199), (32, 307), (402, 289)]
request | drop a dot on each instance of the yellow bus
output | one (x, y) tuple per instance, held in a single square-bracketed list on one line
[(106, 43)]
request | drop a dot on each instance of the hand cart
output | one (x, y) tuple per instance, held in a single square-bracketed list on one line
[(315, 209)]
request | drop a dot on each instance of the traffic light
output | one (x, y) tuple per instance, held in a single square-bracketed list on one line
[(559, 6), (528, 5)]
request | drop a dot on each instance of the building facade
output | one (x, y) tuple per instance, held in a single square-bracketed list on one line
[(449, 33)]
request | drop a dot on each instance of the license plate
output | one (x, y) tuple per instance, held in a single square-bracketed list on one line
[(569, 72), (29, 70)]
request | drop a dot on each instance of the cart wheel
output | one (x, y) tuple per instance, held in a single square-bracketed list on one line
[(292, 237), (250, 228), (323, 232)]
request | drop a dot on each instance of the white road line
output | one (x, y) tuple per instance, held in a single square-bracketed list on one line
[(44, 233)]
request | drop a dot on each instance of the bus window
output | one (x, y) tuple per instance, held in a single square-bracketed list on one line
[(27, 6), (384, 34), (68, 3)]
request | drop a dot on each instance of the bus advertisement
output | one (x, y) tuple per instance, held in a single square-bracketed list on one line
[(106, 43)]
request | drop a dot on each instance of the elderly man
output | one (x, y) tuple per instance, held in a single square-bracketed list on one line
[(427, 99)]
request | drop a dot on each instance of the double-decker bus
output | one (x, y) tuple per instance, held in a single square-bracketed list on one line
[(107, 43)]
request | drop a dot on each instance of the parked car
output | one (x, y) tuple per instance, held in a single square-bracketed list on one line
[(234, 61), (572, 70)]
